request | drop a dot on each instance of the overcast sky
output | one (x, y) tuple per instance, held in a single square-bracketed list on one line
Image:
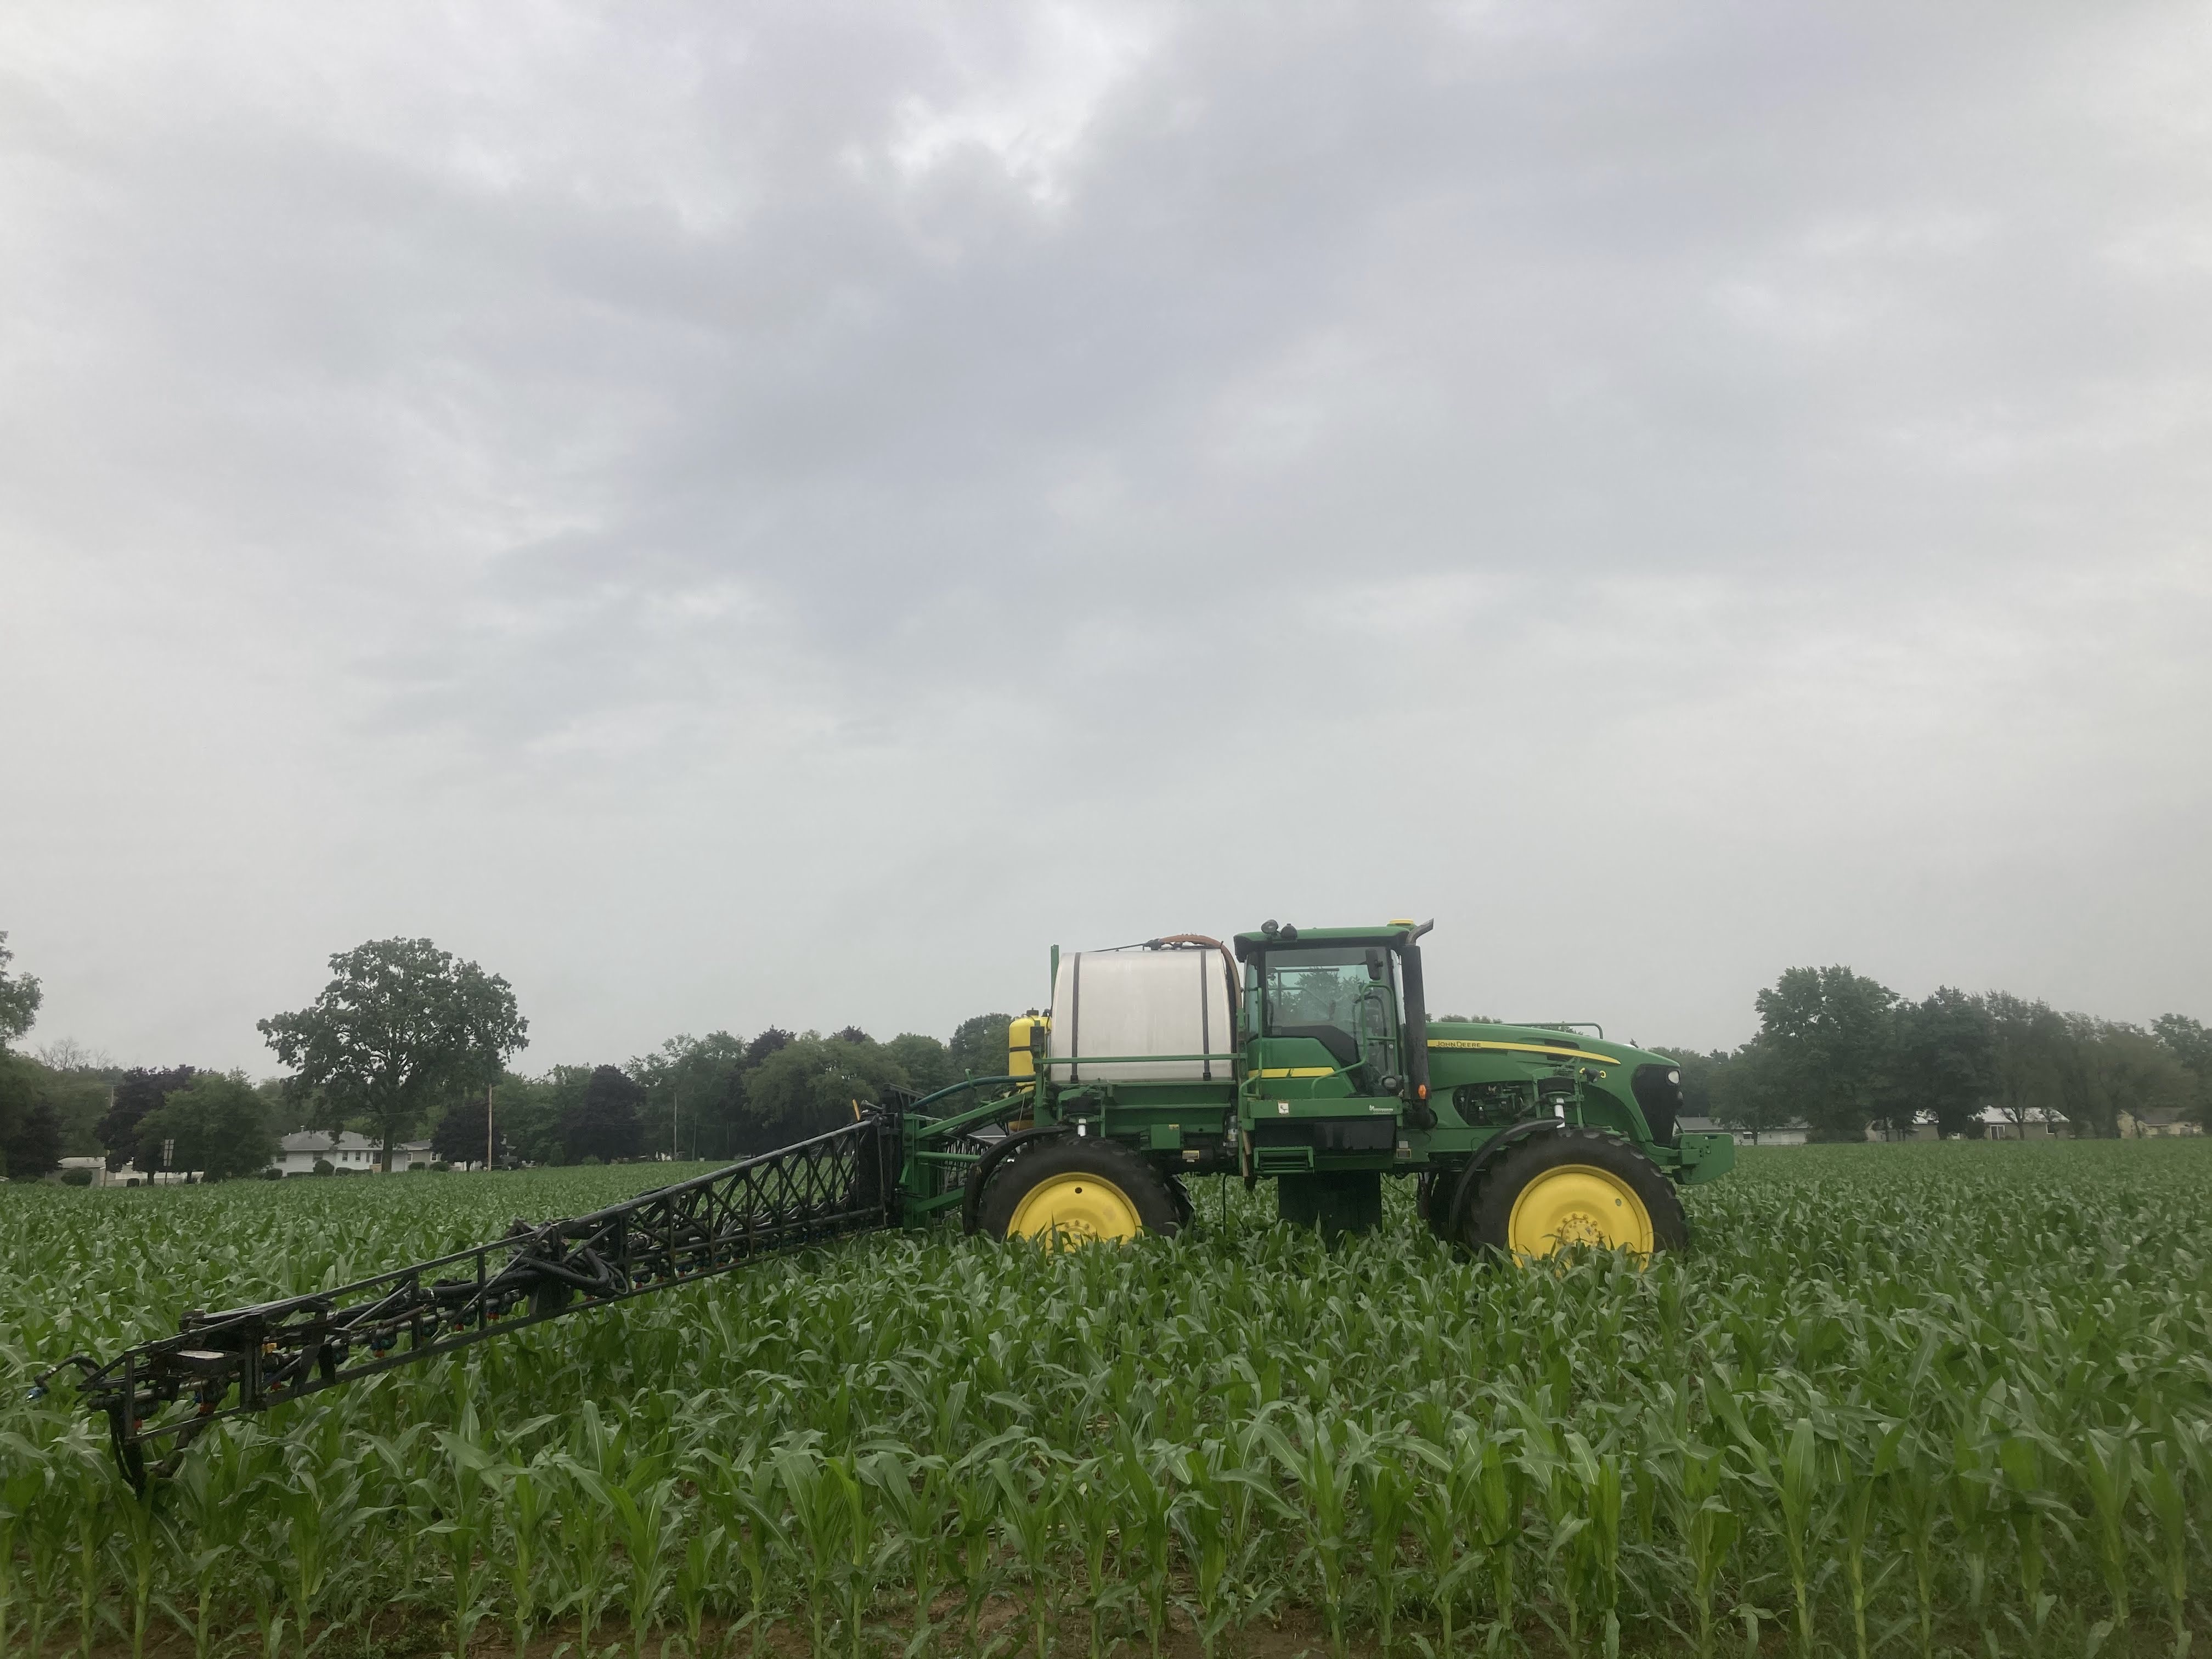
[(729, 515)]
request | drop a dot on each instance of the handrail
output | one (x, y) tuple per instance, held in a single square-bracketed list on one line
[(1230, 1054)]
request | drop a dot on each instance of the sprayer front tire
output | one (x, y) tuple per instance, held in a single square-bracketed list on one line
[(1574, 1187), (1076, 1189)]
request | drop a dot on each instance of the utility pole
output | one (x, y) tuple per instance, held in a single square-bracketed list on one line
[(488, 1089)]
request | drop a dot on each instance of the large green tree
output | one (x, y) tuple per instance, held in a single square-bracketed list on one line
[(1826, 1034), (401, 1028), (30, 1128), (927, 1063), (460, 1135), (1754, 1091), (138, 1093), (807, 1087), (19, 998), (604, 1123), (2191, 1043), (2027, 1044), (2108, 1067), (978, 1047), (527, 1111), (218, 1125), (695, 1092), (18, 1093), (1943, 1063)]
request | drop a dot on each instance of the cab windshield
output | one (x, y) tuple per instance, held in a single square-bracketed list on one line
[(1344, 998)]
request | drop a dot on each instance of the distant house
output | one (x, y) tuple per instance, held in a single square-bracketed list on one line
[(2157, 1123), (2035, 1124), (101, 1174), (349, 1152), (131, 1175)]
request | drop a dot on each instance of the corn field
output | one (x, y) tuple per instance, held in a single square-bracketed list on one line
[(1899, 1400)]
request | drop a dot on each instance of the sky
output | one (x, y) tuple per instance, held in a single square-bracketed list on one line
[(780, 514)]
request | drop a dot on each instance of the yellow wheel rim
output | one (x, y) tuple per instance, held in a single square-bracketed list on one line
[(1075, 1209), (1577, 1204)]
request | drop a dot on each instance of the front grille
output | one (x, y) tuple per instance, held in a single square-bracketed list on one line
[(1660, 1098)]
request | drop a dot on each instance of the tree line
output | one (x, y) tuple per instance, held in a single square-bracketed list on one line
[(405, 1038), (1841, 1054), (717, 1097)]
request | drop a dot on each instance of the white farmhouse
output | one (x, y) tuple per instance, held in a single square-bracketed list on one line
[(348, 1153)]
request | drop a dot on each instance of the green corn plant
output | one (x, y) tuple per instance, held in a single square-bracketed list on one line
[(464, 1501), (1030, 1498), (1599, 1542), (392, 1465), (975, 1507), (2019, 1459), (1093, 1500), (1910, 1496), (2108, 1465), (1791, 1473), (1250, 1499), (762, 1533), (1499, 1491), (202, 1513), (1860, 1491), (863, 1553), (141, 1532), (1201, 1522), (1707, 1528), (912, 1491), (220, 1491), (1971, 1489), (2192, 1444), (1325, 1471), (1449, 1467), (2160, 1480), (1558, 1493), (92, 1507), (642, 1503), (588, 1580), (1148, 1497), (1387, 1489), (395, 1461), (699, 1570), (22, 1478), (319, 1505), (526, 1519), (819, 1521)]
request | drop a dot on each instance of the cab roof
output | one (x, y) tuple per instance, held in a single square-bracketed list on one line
[(1396, 938)]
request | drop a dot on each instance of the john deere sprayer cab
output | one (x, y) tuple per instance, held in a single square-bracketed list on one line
[(1307, 1057), (1303, 1057)]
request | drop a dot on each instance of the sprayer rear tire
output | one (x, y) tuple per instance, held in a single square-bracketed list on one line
[(1571, 1186), (1077, 1189)]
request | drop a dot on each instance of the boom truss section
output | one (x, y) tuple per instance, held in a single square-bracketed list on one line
[(247, 1359)]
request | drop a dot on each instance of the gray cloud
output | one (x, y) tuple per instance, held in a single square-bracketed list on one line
[(781, 518)]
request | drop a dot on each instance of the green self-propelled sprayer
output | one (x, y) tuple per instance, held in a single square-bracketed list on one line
[(1302, 1056)]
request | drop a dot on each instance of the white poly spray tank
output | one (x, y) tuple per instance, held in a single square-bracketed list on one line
[(1113, 1011)]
